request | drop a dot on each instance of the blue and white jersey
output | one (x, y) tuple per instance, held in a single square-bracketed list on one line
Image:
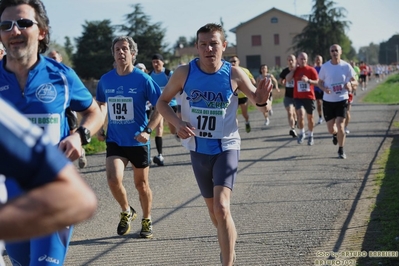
[(162, 79), (126, 97), (51, 87), (26, 153), (210, 105)]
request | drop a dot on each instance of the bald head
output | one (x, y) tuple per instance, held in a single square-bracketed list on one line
[(55, 55)]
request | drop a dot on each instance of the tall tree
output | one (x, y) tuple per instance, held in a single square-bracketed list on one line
[(325, 28), (68, 47), (149, 37), (93, 56), (389, 51)]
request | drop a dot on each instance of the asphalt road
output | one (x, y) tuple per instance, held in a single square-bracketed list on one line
[(290, 200)]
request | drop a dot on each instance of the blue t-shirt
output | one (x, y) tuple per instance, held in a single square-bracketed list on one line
[(26, 153), (51, 87), (162, 79), (126, 98)]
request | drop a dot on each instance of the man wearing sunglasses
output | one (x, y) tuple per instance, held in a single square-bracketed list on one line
[(337, 79), (42, 89)]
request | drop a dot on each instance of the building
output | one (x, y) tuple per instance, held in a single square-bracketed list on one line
[(267, 39)]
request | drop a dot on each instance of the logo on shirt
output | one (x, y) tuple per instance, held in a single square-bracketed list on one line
[(109, 91), (4, 88), (48, 259), (46, 93), (132, 90), (212, 99), (119, 90)]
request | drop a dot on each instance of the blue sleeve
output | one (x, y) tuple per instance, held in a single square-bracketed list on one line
[(154, 91), (26, 154), (81, 98)]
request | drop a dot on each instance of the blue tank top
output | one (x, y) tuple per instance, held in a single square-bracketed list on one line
[(210, 104)]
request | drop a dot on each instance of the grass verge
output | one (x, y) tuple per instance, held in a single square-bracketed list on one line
[(383, 229)]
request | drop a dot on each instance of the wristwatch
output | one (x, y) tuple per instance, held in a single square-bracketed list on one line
[(84, 135), (147, 130)]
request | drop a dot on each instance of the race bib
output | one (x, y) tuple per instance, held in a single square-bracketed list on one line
[(337, 87), (303, 86), (290, 84), (50, 123), (121, 109), (208, 122)]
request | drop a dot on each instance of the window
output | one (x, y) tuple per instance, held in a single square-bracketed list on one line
[(276, 39), (274, 20), (256, 40), (277, 61)]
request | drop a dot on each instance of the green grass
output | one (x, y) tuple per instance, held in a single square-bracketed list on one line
[(383, 231), (95, 146), (386, 92)]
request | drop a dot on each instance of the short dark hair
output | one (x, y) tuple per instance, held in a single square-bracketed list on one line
[(212, 27), (41, 18)]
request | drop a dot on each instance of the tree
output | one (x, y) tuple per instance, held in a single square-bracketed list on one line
[(389, 51), (93, 57), (324, 29), (149, 37), (68, 47)]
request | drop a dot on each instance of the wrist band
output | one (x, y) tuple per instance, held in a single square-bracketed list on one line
[(261, 105)]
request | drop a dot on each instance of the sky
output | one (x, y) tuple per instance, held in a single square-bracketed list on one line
[(372, 21)]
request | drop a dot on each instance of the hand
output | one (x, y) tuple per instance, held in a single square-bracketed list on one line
[(305, 79), (142, 137), (185, 130), (327, 90), (71, 146), (263, 90)]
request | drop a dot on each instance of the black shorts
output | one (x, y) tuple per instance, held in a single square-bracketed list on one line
[(139, 156), (363, 78), (307, 104), (333, 110), (243, 100), (319, 95)]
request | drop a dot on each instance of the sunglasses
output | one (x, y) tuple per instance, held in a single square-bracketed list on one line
[(233, 61), (22, 24), (332, 51)]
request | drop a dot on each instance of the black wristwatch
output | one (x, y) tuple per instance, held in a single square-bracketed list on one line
[(84, 135), (147, 130)]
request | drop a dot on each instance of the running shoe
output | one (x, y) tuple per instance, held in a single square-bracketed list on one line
[(341, 155), (347, 131), (177, 137), (82, 159), (301, 138), (335, 139), (158, 160), (267, 121), (310, 141), (271, 112), (320, 121), (293, 133), (247, 127), (124, 224), (146, 228)]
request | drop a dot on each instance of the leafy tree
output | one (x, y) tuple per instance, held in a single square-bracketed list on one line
[(325, 28), (369, 54), (149, 37), (389, 51), (181, 42), (68, 47), (93, 57)]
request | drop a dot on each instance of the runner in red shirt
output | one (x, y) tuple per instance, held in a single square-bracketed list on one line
[(305, 77)]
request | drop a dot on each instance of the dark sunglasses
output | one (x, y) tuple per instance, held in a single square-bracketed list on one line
[(332, 51), (233, 61), (22, 24)]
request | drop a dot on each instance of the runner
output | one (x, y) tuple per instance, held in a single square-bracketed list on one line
[(337, 79), (318, 92), (208, 127), (289, 102)]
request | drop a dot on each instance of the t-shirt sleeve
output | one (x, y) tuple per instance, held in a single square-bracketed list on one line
[(81, 98)]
